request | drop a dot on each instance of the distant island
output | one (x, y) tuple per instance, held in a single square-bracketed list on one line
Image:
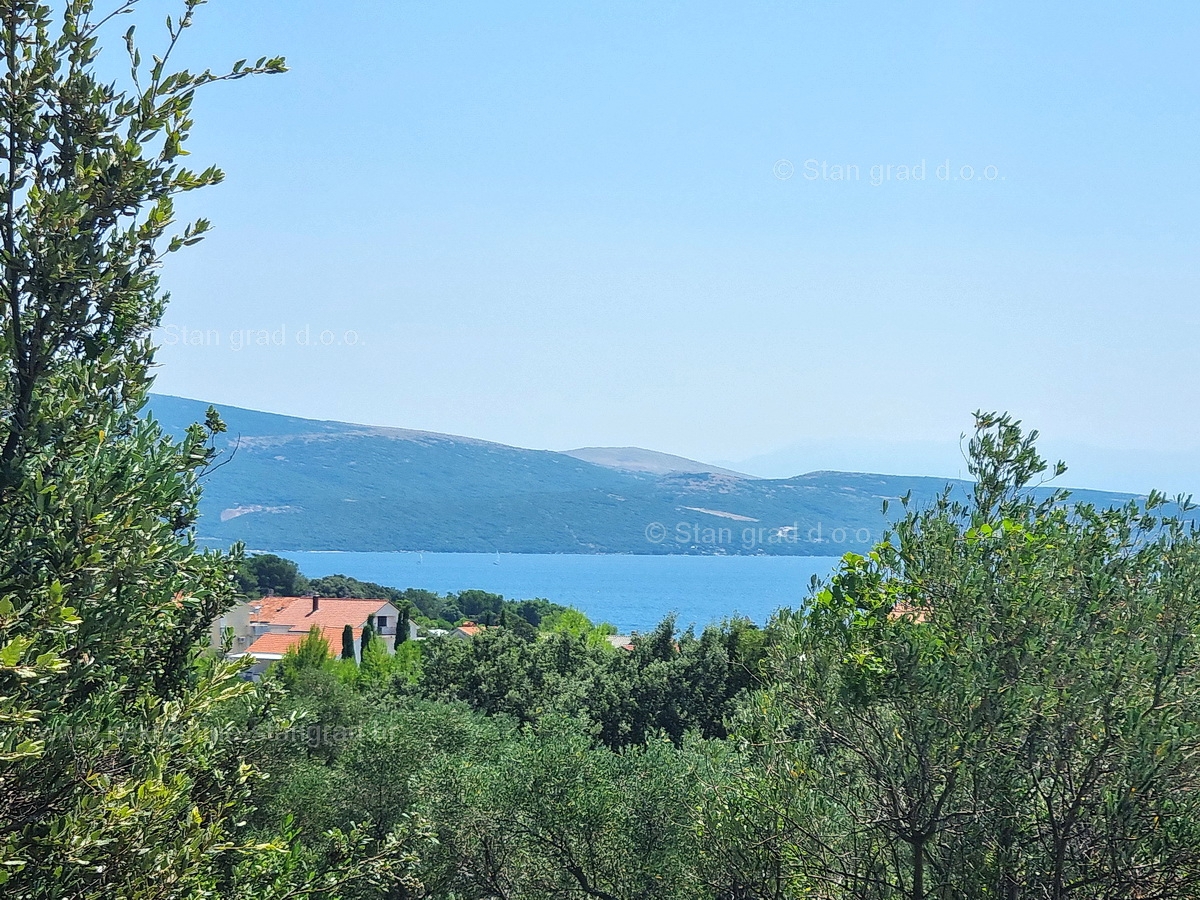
[(300, 484)]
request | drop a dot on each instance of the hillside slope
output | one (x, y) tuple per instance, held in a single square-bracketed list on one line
[(300, 484), (635, 459)]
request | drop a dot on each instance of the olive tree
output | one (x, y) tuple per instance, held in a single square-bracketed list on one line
[(1001, 700), (122, 748)]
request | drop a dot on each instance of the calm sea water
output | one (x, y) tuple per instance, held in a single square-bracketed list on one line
[(631, 592)]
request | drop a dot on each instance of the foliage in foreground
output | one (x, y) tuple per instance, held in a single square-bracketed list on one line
[(123, 752), (1001, 701), (998, 701)]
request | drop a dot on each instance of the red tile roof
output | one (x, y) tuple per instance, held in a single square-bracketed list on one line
[(297, 612), (333, 634), (277, 643)]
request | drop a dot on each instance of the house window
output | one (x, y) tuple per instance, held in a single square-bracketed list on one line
[(382, 620)]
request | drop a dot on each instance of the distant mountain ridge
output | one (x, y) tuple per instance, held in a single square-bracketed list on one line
[(300, 484)]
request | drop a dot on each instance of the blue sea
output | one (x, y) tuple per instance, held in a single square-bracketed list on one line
[(631, 592)]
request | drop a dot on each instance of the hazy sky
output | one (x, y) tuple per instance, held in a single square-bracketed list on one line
[(618, 223)]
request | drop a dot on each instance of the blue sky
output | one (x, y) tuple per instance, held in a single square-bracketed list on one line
[(616, 223)]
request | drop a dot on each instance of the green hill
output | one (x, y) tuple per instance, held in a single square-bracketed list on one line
[(299, 484)]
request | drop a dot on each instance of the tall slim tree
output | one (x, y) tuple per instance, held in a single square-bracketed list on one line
[(347, 642), (402, 623)]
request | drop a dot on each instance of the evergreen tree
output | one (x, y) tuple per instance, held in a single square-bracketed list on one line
[(347, 642), (368, 635), (376, 664), (402, 624), (310, 654), (266, 573)]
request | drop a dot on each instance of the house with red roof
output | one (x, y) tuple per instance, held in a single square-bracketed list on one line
[(466, 630), (278, 623), (620, 641)]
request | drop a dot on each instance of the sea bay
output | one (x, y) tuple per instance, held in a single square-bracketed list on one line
[(633, 592)]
